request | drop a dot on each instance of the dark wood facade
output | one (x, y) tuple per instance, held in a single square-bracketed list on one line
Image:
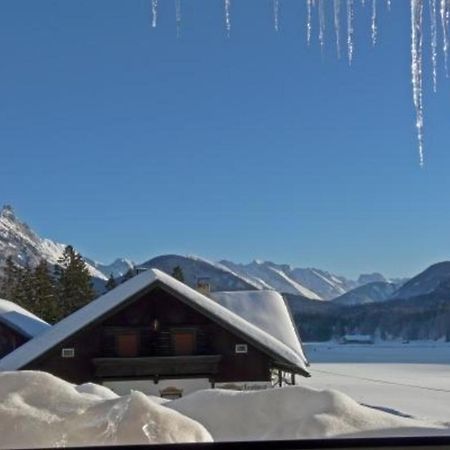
[(10, 339), (154, 336)]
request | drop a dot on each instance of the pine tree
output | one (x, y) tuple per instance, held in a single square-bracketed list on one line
[(24, 290), (130, 274), (178, 274), (74, 284), (111, 283), (45, 301), (15, 285), (10, 280)]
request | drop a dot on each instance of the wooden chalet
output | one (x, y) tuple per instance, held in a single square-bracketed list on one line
[(17, 326), (156, 330)]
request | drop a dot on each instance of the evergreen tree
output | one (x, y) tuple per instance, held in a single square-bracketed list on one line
[(24, 290), (10, 280), (130, 274), (15, 285), (45, 302), (111, 283), (74, 284), (178, 274)]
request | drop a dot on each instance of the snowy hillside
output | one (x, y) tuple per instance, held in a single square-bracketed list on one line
[(118, 268), (426, 282), (311, 283), (227, 275), (20, 242), (378, 291), (220, 277)]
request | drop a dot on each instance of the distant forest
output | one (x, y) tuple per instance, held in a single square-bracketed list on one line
[(422, 317)]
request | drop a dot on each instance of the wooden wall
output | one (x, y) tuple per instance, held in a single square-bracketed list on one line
[(9, 339)]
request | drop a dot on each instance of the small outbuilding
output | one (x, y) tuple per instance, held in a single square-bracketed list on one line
[(17, 326), (357, 339), (156, 334)]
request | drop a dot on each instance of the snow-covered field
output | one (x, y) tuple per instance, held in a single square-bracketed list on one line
[(412, 379), (406, 388)]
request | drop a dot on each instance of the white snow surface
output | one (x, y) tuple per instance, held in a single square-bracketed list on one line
[(38, 410), (293, 412), (92, 311), (412, 379), (266, 310), (21, 320)]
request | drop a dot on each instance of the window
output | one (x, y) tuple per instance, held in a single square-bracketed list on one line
[(241, 348), (184, 342), (68, 353), (127, 344)]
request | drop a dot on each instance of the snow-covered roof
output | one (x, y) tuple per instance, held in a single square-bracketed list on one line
[(266, 310), (279, 351), (21, 320)]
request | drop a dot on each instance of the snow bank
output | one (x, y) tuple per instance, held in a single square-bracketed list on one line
[(292, 413), (38, 410)]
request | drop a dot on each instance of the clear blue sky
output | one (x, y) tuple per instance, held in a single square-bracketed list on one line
[(126, 141)]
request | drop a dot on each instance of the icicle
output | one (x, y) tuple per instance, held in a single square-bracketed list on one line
[(416, 68), (276, 14), (154, 12), (337, 25), (433, 22), (350, 31), (309, 21), (388, 3), (178, 16), (374, 22), (444, 11), (322, 24), (228, 17)]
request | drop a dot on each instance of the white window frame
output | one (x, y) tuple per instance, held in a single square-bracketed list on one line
[(241, 348), (68, 352)]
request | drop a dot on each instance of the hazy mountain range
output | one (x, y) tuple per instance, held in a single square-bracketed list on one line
[(25, 246)]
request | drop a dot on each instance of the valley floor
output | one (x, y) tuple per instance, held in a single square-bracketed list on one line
[(412, 379)]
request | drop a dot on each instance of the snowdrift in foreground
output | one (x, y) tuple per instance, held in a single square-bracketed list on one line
[(39, 410), (293, 413)]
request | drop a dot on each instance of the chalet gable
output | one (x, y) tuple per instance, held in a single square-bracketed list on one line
[(284, 355)]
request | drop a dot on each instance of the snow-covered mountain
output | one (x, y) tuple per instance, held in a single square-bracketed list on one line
[(377, 291), (426, 282), (371, 278), (117, 269), (311, 283), (20, 242), (220, 277)]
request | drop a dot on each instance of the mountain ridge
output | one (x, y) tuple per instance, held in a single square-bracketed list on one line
[(25, 246)]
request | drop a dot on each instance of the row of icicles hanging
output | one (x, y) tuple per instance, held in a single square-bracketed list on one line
[(439, 13)]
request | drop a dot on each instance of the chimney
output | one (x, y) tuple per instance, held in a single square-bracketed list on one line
[(204, 285)]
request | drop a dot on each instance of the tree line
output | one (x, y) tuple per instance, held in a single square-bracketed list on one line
[(425, 317), (50, 292)]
